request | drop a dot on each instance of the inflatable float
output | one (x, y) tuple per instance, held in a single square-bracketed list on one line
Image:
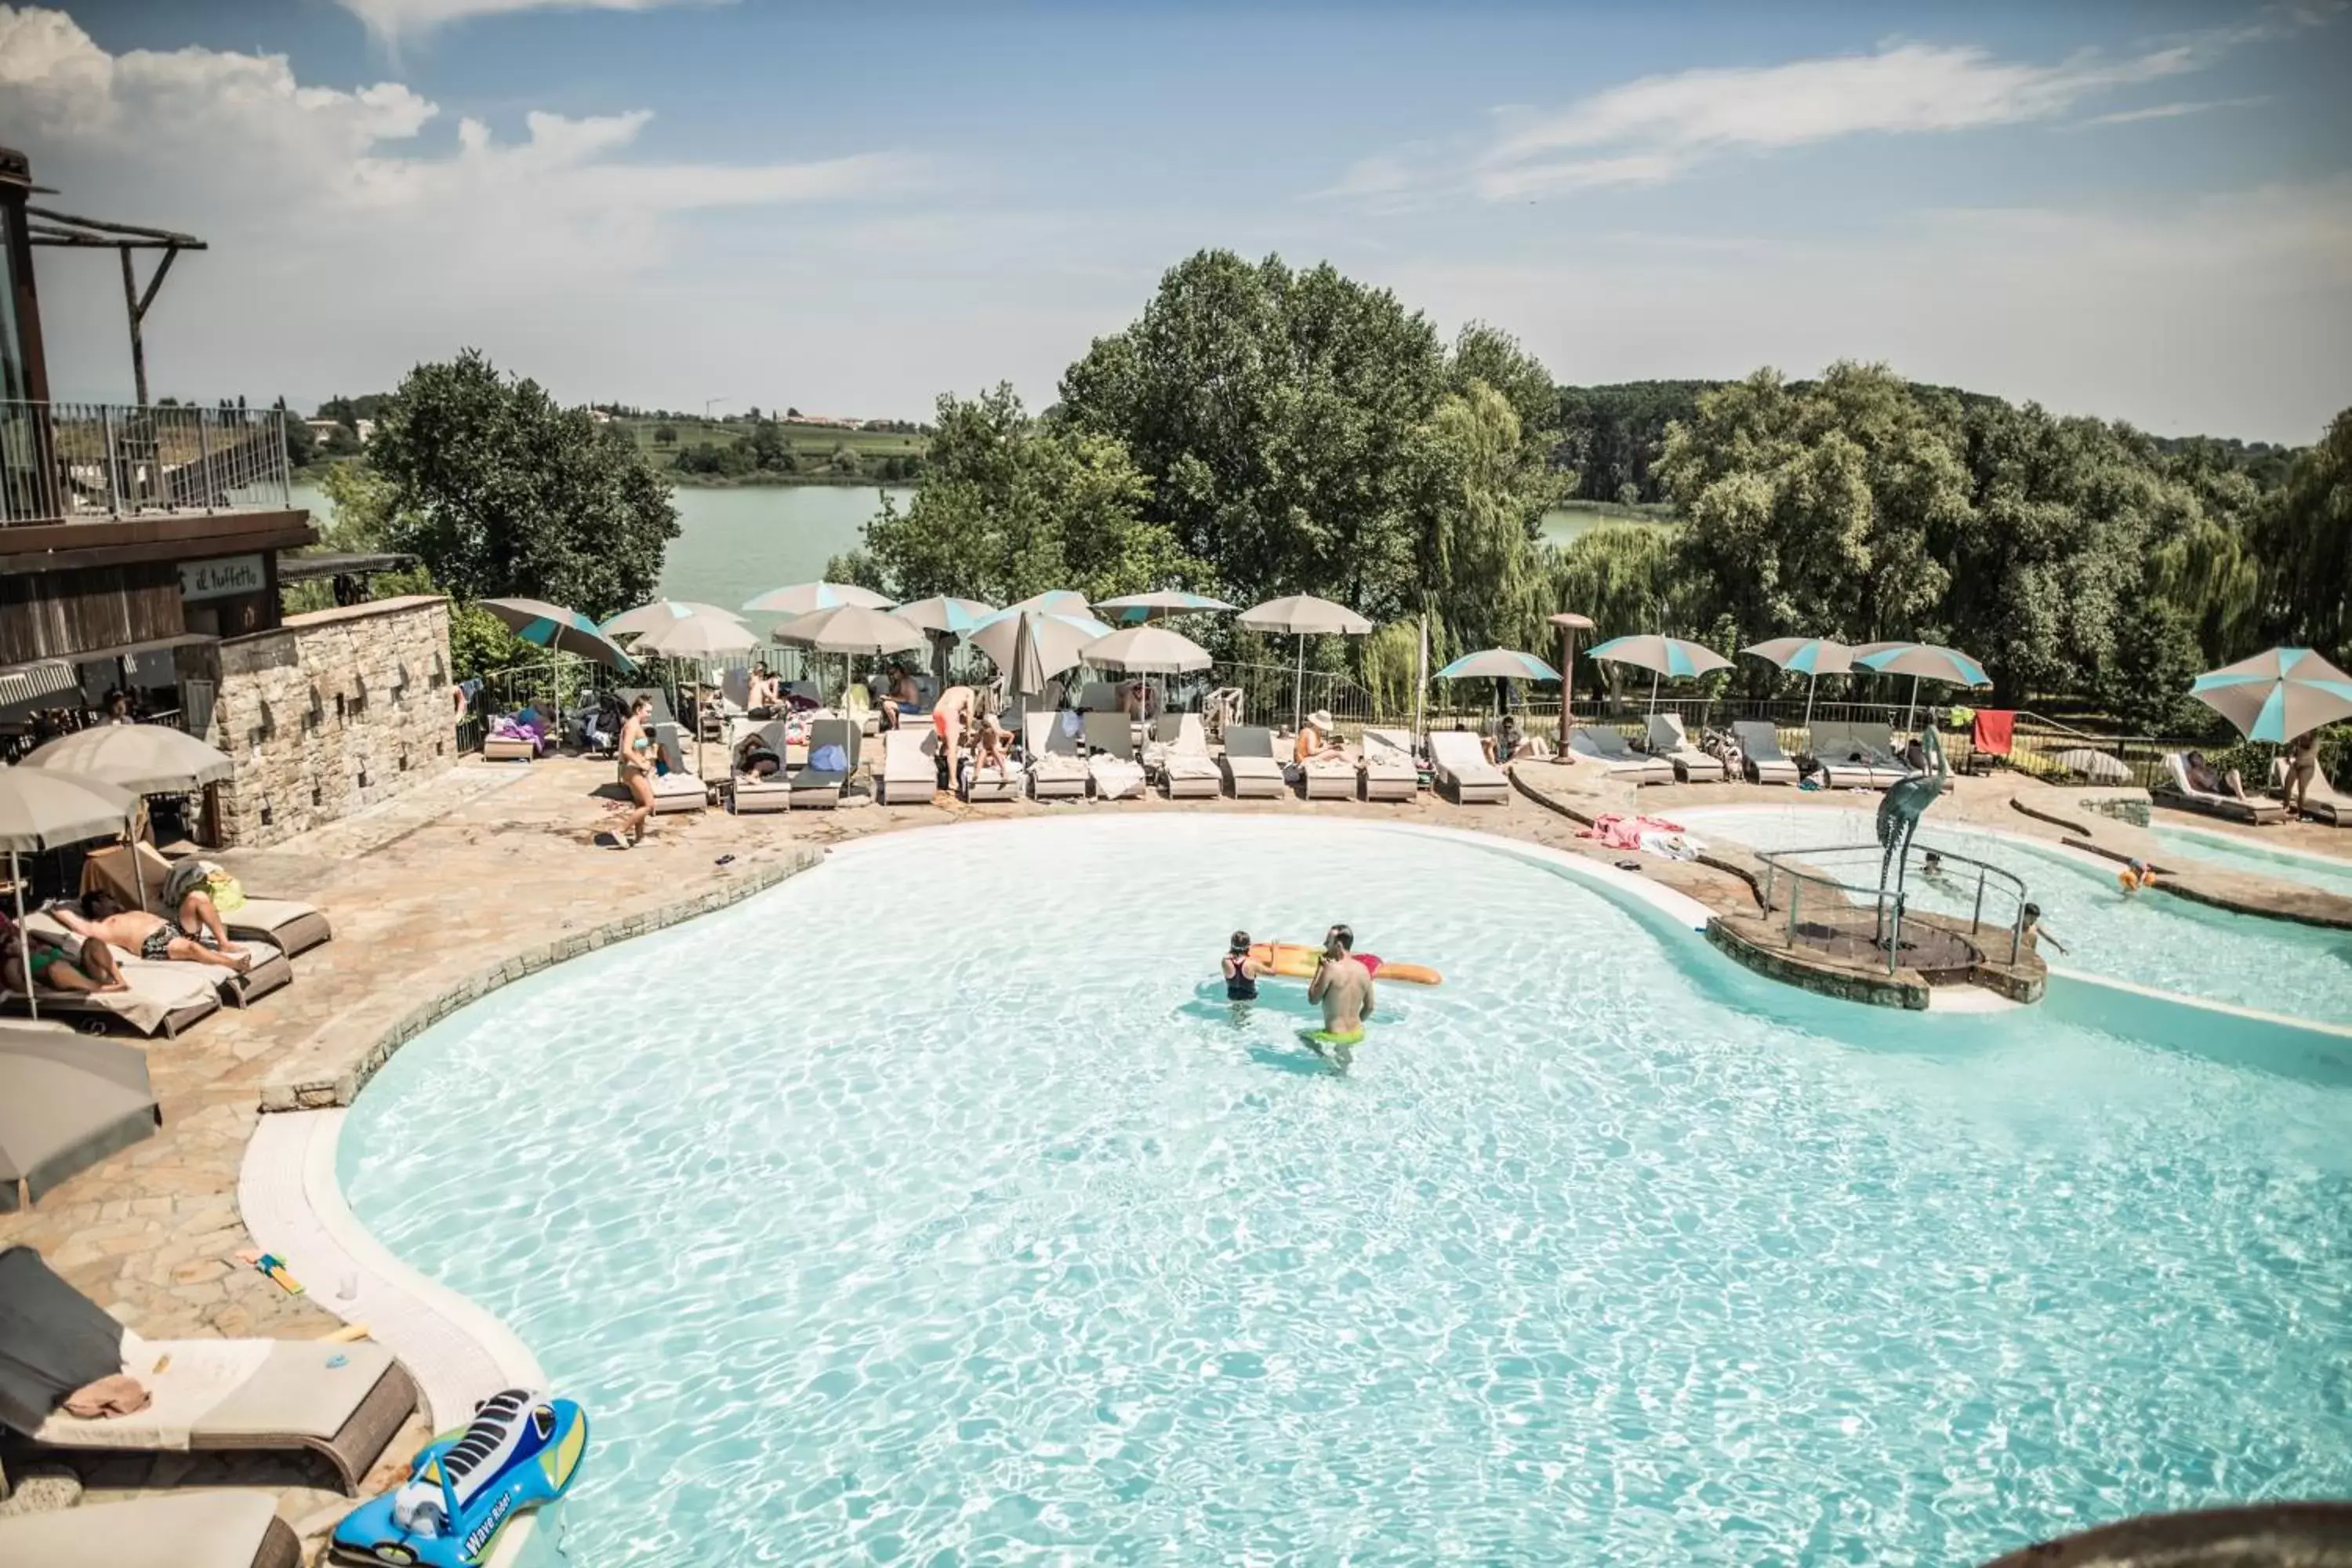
[(1297, 961), (519, 1451)]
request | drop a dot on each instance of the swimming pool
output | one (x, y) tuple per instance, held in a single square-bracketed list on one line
[(2154, 939), (2230, 853), (933, 1207)]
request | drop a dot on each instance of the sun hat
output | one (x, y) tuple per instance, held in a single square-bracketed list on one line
[(1320, 718)]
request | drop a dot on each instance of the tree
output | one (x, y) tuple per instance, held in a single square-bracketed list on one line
[(665, 433), (343, 441), (768, 447), (301, 442), (1481, 490), (2306, 542), (499, 490), (1012, 506)]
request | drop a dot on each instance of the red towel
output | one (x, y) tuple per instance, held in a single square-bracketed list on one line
[(1996, 728)]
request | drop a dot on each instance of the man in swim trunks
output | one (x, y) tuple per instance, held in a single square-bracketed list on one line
[(57, 966), (1241, 970), (151, 936), (1344, 986)]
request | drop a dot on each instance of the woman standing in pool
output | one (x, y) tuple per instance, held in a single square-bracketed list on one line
[(1241, 970)]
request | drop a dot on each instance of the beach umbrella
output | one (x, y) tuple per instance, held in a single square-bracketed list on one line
[(1134, 609), (1302, 615), (1499, 665), (41, 809), (1570, 623), (943, 619), (849, 630), (662, 613), (698, 638), (1027, 675), (1811, 658), (1662, 656), (145, 759), (1148, 650), (2277, 696), (807, 598), (1056, 602), (557, 629), (1920, 661), (67, 1101), (1058, 642)]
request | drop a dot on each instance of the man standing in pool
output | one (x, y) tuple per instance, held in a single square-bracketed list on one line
[(1344, 986)]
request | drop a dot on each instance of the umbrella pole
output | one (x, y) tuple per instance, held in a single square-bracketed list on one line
[(1809, 678), (24, 942), (1420, 683), (1299, 686), (1912, 706), (1653, 691)]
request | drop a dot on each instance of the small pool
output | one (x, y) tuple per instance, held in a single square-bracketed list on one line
[(934, 1208), (2231, 853), (2152, 939)]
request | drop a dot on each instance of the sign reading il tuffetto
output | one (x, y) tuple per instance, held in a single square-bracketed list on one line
[(219, 579)]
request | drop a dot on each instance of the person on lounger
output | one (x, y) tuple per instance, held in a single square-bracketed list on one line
[(2203, 776), (899, 695), (1344, 986), (153, 937), (755, 759), (85, 966), (763, 694)]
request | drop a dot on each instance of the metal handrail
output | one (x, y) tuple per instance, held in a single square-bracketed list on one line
[(61, 462), (1888, 905)]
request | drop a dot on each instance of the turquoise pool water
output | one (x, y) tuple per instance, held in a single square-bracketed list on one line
[(2233, 853), (932, 1208), (2152, 939)]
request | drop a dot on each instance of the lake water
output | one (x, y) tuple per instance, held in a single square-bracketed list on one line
[(733, 543)]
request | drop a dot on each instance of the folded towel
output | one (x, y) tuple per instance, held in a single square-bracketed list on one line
[(119, 1395)]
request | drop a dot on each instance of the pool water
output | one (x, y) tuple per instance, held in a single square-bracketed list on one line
[(933, 1207), (2233, 854), (2149, 939)]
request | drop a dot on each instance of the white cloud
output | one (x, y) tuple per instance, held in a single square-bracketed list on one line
[(2169, 111), (394, 19)]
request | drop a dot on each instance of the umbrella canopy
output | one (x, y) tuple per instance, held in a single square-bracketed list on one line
[(698, 636), (1058, 642), (67, 1101), (1134, 609), (41, 809), (2277, 696), (661, 612), (1304, 615), (1056, 602), (1804, 656), (2096, 767), (941, 614), (849, 628), (1151, 650), (1921, 661), (1661, 655), (145, 759), (807, 598), (1501, 664), (556, 628)]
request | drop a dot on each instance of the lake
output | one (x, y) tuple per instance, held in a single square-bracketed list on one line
[(733, 543)]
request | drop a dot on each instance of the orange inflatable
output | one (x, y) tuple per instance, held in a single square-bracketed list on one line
[(1297, 961)]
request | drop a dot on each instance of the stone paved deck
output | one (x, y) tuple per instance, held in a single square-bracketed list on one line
[(478, 872)]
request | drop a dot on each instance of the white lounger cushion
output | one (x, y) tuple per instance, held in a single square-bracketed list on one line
[(230, 1387), (172, 1529)]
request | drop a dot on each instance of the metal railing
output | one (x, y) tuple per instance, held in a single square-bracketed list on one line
[(66, 461), (1845, 918)]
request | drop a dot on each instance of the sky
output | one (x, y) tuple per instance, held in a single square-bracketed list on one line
[(2136, 211)]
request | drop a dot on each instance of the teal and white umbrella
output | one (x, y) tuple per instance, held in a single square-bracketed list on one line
[(1499, 664), (1134, 609), (552, 626), (807, 598), (943, 619), (1054, 602), (1811, 658), (2277, 696), (1662, 656), (1920, 661), (662, 613)]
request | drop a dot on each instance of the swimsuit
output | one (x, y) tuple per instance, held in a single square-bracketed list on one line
[(157, 948), (1240, 985)]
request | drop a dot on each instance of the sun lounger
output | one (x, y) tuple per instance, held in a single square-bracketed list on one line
[(341, 1400), (1180, 755), (1876, 743), (1057, 769), (749, 794), (2175, 790), (1005, 781), (1691, 765), (162, 999), (814, 788), (509, 749), (1603, 744), (1098, 697), (679, 789), (1846, 762), (1330, 776), (291, 925), (1251, 772), (653, 694), (172, 1529), (1759, 747), (2321, 803), (269, 972), (1458, 762), (1116, 773), (911, 766), (1388, 771)]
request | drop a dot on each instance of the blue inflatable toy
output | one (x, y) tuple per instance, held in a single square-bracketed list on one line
[(521, 1451)]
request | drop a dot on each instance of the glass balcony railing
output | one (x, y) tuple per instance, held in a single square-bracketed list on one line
[(70, 462)]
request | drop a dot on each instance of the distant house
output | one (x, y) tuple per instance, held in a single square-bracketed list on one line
[(322, 428), (598, 415), (365, 429), (830, 421)]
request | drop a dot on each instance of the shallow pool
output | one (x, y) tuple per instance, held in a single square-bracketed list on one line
[(2149, 939), (2230, 853), (932, 1208)]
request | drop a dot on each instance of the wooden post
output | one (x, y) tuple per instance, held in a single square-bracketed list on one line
[(136, 303)]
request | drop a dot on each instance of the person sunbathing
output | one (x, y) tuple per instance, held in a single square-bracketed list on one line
[(755, 759), (84, 966), (2202, 775), (153, 937)]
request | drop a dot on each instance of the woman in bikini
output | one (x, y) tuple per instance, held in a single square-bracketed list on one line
[(637, 772)]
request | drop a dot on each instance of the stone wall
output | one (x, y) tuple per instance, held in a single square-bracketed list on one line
[(336, 710)]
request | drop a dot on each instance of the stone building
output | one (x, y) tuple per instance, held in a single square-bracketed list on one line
[(333, 711)]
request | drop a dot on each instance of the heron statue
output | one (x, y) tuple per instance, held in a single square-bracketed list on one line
[(1900, 808)]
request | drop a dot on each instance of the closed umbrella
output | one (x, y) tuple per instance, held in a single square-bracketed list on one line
[(943, 619), (1662, 656), (1570, 623), (560, 630), (145, 759), (40, 809), (1811, 658), (1025, 675), (662, 613), (807, 598), (1303, 615), (67, 1101), (2277, 696), (1920, 661), (1134, 609), (1056, 642)]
